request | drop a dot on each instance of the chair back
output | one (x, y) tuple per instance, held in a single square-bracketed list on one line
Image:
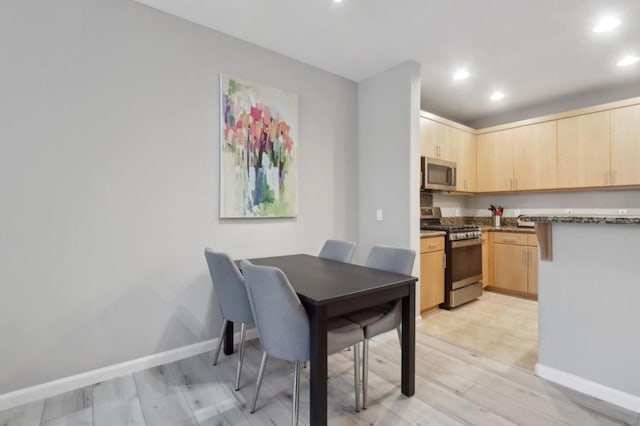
[(342, 251), (229, 287), (281, 320), (391, 259)]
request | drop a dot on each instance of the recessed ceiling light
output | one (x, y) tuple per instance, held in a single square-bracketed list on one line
[(460, 74), (337, 1), (606, 24), (496, 96), (628, 60)]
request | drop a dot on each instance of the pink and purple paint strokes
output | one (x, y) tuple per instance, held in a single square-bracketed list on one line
[(258, 126)]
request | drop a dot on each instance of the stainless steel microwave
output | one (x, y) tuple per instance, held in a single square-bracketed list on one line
[(437, 174)]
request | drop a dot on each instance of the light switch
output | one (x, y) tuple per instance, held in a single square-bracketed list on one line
[(379, 215)]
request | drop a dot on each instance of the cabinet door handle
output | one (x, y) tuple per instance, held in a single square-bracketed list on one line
[(613, 178), (432, 246), (509, 240), (516, 184), (444, 261), (511, 183)]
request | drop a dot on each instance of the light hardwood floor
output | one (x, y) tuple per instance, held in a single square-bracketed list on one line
[(500, 326), (454, 386)]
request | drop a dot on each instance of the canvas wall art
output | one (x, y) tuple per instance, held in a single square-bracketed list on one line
[(258, 145)]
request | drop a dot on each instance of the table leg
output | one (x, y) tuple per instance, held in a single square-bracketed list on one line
[(318, 371), (228, 338), (409, 341)]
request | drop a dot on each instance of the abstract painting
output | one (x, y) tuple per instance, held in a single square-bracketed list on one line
[(258, 144)]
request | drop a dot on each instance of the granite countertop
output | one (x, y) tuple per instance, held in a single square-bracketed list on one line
[(428, 234), (521, 230), (596, 219)]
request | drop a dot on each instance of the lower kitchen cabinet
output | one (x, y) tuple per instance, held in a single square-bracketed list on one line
[(515, 263), (487, 245), (432, 266)]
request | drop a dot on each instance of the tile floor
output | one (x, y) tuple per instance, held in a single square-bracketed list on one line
[(500, 326)]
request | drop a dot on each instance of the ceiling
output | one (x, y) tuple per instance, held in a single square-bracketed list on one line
[(533, 51)]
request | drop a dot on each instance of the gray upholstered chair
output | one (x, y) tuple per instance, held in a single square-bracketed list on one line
[(380, 319), (342, 251), (231, 293), (283, 326)]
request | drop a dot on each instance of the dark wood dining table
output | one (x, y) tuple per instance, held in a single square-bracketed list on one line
[(328, 289)]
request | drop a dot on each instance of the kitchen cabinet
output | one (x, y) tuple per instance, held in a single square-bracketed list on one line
[(465, 153), (535, 156), (435, 140), (438, 140), (432, 267), (625, 146), (583, 151), (519, 159), (495, 161), (487, 242), (515, 263)]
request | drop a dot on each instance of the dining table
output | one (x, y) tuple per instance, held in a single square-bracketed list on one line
[(328, 289)]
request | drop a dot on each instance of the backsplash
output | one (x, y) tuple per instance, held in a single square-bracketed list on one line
[(586, 202), (474, 220)]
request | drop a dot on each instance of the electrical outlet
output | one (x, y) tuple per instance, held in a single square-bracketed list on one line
[(379, 215), (457, 212), (622, 211), (569, 211)]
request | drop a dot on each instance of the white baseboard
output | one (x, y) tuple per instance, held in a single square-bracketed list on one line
[(66, 384), (588, 387)]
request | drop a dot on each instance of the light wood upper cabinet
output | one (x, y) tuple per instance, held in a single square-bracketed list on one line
[(495, 161), (625, 146), (448, 143), (435, 139), (464, 144), (583, 151), (534, 156)]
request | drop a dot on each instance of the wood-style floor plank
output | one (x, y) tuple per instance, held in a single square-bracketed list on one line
[(116, 402), (23, 415), (211, 400), (569, 402), (162, 402), (438, 396), (389, 396), (269, 409), (74, 407), (453, 386)]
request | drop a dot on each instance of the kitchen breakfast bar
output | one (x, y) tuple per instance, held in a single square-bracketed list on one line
[(589, 291)]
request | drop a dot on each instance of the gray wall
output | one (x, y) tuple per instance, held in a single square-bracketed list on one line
[(389, 161), (388, 157), (588, 305), (109, 180)]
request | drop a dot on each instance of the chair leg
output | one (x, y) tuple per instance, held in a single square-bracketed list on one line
[(263, 364), (365, 371), (243, 334), (296, 393), (356, 374), (220, 340)]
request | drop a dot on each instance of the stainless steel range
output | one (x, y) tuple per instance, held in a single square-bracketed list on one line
[(463, 249)]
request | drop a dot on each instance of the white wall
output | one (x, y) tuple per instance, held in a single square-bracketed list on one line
[(109, 180), (389, 159)]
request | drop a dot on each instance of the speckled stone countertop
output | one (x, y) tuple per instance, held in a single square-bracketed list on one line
[(428, 234), (609, 220), (521, 230)]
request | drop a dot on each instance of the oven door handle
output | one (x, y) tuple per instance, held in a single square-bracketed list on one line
[(466, 243)]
